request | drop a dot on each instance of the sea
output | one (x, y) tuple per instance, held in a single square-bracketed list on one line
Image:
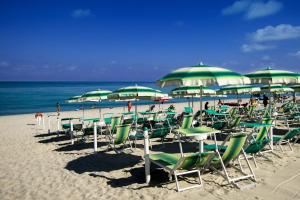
[(30, 97)]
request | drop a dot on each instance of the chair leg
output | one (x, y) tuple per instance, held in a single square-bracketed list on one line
[(199, 184)]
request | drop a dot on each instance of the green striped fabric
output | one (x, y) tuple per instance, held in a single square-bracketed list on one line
[(192, 91), (115, 121), (238, 89), (296, 88), (122, 133), (272, 76), (276, 88), (96, 95), (187, 122), (75, 99), (202, 75), (263, 132), (136, 92), (233, 149)]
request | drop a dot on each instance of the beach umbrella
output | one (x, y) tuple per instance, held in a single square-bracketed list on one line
[(202, 75), (75, 99), (273, 76), (191, 91), (296, 87), (276, 88), (96, 96), (238, 89), (137, 93)]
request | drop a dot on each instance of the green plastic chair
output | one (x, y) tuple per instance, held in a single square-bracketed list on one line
[(285, 139), (120, 138), (186, 122), (188, 110), (178, 165), (228, 154), (114, 121)]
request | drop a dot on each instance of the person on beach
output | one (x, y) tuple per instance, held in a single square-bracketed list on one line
[(206, 106), (265, 100), (58, 109), (220, 102), (129, 105)]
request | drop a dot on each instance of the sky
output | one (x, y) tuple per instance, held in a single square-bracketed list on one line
[(143, 40)]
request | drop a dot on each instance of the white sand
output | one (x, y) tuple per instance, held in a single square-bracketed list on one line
[(35, 165)]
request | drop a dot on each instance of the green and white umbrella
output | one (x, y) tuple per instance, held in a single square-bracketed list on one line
[(75, 99), (96, 96), (273, 76), (203, 75), (295, 87), (136, 93), (276, 88), (191, 91), (238, 89)]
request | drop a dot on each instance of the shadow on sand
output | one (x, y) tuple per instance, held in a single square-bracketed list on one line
[(103, 162)]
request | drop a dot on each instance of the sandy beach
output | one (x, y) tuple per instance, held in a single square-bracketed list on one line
[(38, 165)]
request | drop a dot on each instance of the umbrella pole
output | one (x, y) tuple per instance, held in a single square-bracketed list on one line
[(193, 102), (136, 117), (201, 88)]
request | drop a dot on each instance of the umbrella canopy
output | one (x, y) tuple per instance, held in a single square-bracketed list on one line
[(202, 75), (96, 95), (192, 91), (276, 88), (238, 89), (296, 88), (136, 92), (272, 76), (75, 99)]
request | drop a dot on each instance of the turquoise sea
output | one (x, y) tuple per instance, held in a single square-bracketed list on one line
[(29, 97)]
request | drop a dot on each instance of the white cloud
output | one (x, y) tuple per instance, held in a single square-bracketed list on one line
[(81, 13), (260, 9), (237, 7), (296, 54), (256, 47), (279, 32), (253, 9), (4, 64)]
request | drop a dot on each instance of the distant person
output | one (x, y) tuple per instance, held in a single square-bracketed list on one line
[(58, 109), (220, 102), (265, 100), (129, 105), (206, 106)]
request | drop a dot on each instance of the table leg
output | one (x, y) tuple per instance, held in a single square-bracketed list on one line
[(95, 137), (201, 150)]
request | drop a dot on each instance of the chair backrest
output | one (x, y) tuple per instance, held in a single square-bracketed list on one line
[(251, 111), (291, 134), (233, 112), (236, 143), (122, 133), (263, 131), (187, 121), (187, 162), (224, 108), (160, 132), (115, 121), (235, 122), (188, 110)]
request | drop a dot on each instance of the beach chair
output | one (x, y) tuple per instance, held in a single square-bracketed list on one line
[(180, 165), (226, 155), (114, 121), (257, 143), (279, 140), (228, 126), (188, 110), (120, 138)]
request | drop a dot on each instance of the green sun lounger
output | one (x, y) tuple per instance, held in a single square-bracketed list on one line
[(285, 139), (120, 138), (180, 165), (225, 155)]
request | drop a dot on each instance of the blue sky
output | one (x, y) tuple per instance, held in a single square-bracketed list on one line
[(135, 40)]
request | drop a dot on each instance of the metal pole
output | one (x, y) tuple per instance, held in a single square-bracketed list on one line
[(95, 136), (146, 156), (201, 92), (71, 132)]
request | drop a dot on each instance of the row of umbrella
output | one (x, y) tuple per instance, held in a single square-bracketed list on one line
[(194, 81)]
